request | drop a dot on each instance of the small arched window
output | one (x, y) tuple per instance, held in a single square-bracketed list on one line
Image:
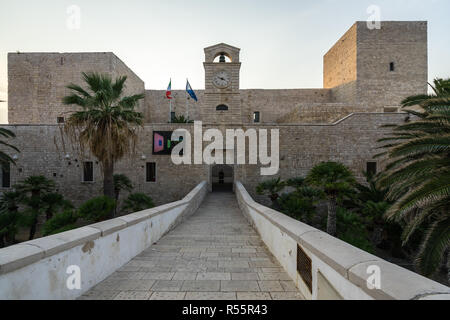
[(392, 66), (222, 107)]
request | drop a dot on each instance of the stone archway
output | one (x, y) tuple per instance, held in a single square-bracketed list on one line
[(222, 178)]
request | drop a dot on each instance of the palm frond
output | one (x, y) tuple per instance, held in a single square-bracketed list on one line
[(437, 240)]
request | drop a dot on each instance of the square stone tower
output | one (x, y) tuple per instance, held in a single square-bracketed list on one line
[(37, 82), (378, 68), (222, 102)]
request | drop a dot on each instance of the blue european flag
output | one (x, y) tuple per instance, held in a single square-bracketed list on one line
[(190, 91)]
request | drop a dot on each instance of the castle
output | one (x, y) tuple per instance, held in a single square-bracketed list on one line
[(366, 75)]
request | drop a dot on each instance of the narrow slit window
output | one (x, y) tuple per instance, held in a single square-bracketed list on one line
[(392, 66), (371, 168), (6, 175), (88, 171), (150, 174), (256, 117)]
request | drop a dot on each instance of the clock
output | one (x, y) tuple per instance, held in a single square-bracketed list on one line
[(221, 79)]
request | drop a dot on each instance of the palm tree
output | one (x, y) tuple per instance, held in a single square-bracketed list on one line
[(297, 182), (9, 217), (4, 158), (53, 202), (181, 119), (334, 180), (418, 174), (33, 189), (106, 122), (272, 188), (137, 202), (121, 182)]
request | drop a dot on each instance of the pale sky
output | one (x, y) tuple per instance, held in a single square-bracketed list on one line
[(282, 42)]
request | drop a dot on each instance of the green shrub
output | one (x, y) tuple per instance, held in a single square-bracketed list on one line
[(60, 222), (351, 228), (97, 209), (271, 188), (137, 202), (297, 206)]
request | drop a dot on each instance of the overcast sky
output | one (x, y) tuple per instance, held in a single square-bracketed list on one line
[(282, 42)]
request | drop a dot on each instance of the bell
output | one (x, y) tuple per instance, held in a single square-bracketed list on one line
[(222, 58)]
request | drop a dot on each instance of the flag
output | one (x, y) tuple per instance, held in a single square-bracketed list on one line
[(190, 91), (169, 90)]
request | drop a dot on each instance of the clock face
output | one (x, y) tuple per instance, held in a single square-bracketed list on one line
[(221, 79)]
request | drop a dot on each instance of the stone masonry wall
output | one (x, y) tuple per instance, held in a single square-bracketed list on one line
[(404, 44), (37, 82), (157, 105), (351, 141), (357, 67), (44, 149), (339, 63), (340, 67), (356, 78), (272, 104), (320, 113)]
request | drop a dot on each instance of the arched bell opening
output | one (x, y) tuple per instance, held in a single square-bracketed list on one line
[(222, 57)]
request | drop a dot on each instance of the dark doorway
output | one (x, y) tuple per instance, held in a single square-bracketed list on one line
[(222, 178)]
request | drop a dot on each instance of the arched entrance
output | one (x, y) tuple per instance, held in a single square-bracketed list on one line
[(222, 178)]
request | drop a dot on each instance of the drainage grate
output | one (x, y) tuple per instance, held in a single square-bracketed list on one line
[(304, 267)]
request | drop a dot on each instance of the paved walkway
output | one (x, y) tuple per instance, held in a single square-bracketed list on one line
[(215, 254)]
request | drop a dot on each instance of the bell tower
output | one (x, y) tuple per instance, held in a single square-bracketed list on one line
[(222, 101)]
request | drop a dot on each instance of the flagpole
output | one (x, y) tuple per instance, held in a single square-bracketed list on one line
[(187, 104), (170, 110)]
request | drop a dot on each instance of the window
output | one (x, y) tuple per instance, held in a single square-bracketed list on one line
[(390, 109), (221, 107), (392, 66), (88, 171), (6, 175), (150, 172), (371, 168), (256, 116), (172, 116), (60, 120)]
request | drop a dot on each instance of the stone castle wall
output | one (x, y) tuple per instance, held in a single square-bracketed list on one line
[(404, 44), (356, 78), (272, 104), (320, 112), (339, 65), (43, 149), (357, 67), (37, 82)]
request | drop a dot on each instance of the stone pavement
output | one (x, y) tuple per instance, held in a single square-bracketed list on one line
[(215, 254)]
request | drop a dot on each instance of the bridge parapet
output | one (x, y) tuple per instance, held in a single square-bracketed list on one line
[(38, 269), (324, 267)]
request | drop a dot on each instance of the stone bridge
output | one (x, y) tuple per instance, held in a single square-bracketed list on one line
[(206, 246)]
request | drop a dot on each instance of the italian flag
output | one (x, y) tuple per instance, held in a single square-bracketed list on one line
[(169, 90)]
